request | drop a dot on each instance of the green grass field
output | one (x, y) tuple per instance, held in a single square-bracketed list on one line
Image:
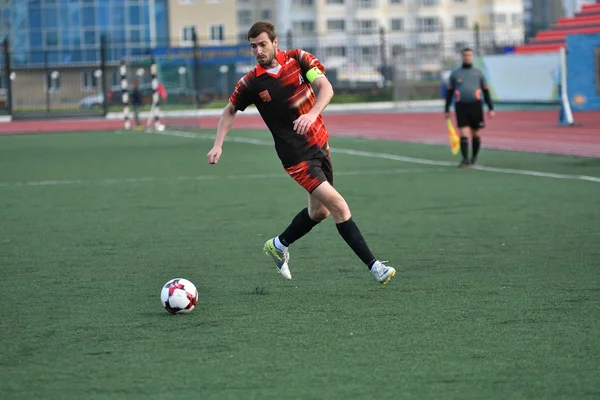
[(497, 294)]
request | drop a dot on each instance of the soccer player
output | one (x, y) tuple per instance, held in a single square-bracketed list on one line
[(136, 101), (281, 88), (468, 84)]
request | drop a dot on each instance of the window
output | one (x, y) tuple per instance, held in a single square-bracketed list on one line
[(398, 50), (366, 26), (89, 16), (428, 24), (429, 46), (302, 3), (53, 81), (335, 2), (135, 36), (366, 3), (217, 32), (51, 39), (430, 3), (244, 17), (304, 26), (366, 52), (134, 15), (460, 22), (499, 19), (460, 46), (266, 14), (336, 51), (397, 24), (517, 19), (89, 82), (336, 25), (187, 34), (396, 1), (50, 17), (89, 38)]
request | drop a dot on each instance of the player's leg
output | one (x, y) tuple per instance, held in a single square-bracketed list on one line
[(348, 230), (462, 121), (136, 113), (477, 124), (309, 177)]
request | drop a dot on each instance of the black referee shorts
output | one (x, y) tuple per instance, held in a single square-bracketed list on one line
[(469, 115)]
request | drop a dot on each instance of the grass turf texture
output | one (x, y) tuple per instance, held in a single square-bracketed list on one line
[(496, 296)]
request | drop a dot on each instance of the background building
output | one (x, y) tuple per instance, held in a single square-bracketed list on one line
[(215, 22), (71, 31)]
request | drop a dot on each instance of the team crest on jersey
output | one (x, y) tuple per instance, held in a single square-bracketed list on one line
[(265, 96)]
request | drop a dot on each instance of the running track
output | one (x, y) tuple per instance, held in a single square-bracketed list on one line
[(535, 131)]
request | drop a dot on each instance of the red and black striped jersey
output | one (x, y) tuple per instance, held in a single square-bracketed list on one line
[(281, 98)]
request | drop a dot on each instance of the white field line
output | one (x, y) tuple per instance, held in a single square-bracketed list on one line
[(202, 178), (423, 161)]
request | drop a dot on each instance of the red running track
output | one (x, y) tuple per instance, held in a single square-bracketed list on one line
[(535, 131)]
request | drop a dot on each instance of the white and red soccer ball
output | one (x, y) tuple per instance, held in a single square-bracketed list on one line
[(179, 296)]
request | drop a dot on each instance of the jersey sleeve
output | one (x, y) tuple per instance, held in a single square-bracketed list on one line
[(483, 81), (242, 94), (452, 81), (312, 68)]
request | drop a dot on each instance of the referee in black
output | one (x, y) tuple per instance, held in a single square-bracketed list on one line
[(468, 84)]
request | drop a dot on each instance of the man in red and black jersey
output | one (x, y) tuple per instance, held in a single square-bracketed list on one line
[(281, 88)]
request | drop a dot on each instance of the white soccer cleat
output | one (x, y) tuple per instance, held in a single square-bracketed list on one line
[(382, 273), (281, 258)]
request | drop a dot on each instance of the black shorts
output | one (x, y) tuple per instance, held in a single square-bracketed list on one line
[(314, 171), (469, 114)]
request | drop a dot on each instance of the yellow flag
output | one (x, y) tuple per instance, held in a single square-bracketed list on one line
[(453, 137)]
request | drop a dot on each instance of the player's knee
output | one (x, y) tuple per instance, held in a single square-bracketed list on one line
[(340, 210), (318, 214)]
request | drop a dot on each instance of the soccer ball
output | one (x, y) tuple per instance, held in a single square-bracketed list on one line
[(160, 127), (179, 296)]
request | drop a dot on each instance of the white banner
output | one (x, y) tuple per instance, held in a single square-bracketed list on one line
[(522, 77)]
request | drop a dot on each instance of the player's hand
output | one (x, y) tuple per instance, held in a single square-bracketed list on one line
[(304, 122), (491, 113), (446, 115), (214, 154)]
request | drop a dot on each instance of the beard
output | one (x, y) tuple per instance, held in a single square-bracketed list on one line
[(266, 61)]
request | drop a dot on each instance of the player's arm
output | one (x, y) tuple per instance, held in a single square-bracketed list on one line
[(324, 95), (227, 118), (449, 95), (486, 95)]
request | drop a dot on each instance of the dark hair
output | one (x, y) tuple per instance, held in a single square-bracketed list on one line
[(260, 27), (466, 49)]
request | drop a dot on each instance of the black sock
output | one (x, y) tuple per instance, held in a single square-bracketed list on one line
[(464, 148), (351, 234), (300, 226), (476, 144)]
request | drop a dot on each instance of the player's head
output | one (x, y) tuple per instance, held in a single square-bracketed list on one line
[(263, 41), (467, 56)]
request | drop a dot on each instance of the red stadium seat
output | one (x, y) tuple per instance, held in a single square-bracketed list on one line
[(547, 40), (538, 48), (583, 20), (591, 7), (563, 32)]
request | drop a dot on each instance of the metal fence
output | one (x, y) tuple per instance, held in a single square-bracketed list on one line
[(366, 66)]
